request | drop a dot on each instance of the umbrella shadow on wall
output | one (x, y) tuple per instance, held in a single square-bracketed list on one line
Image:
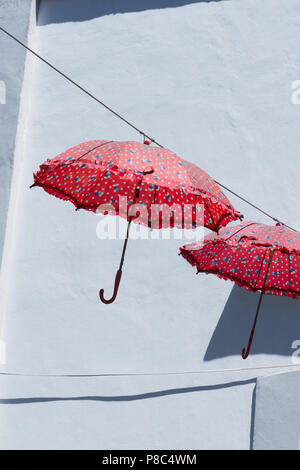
[(61, 11), (278, 325)]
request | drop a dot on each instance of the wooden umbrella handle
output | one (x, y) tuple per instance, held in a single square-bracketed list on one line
[(116, 288), (245, 353), (147, 171)]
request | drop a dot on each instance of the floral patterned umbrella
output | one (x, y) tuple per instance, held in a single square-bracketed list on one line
[(99, 172), (255, 256)]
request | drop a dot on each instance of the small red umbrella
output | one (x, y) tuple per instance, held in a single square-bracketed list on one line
[(255, 256), (96, 173)]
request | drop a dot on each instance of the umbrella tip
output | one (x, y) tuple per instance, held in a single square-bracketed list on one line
[(146, 141)]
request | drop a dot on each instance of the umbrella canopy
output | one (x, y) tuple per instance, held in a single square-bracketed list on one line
[(96, 173), (255, 256)]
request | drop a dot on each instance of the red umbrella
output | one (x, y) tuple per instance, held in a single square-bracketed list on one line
[(96, 173), (255, 256)]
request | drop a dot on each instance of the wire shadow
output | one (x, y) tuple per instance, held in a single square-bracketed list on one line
[(61, 11), (278, 325), (126, 398)]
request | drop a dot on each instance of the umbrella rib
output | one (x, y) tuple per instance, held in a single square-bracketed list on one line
[(246, 226), (259, 272), (253, 223), (94, 187), (69, 164), (213, 256), (100, 177), (59, 191), (289, 258), (208, 210)]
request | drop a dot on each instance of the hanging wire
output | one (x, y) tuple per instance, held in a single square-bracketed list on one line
[(145, 136), (147, 374), (255, 207), (80, 87)]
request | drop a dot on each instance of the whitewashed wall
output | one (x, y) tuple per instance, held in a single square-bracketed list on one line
[(212, 81), (13, 14), (277, 413)]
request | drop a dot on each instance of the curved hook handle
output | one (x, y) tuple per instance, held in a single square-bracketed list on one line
[(245, 353), (116, 288)]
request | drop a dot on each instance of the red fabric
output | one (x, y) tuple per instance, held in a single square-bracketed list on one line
[(241, 254), (97, 172)]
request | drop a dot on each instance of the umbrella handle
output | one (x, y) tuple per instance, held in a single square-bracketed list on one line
[(147, 171), (245, 353), (116, 288)]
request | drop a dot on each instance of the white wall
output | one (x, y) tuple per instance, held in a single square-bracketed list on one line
[(277, 414), (211, 81), (14, 14)]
